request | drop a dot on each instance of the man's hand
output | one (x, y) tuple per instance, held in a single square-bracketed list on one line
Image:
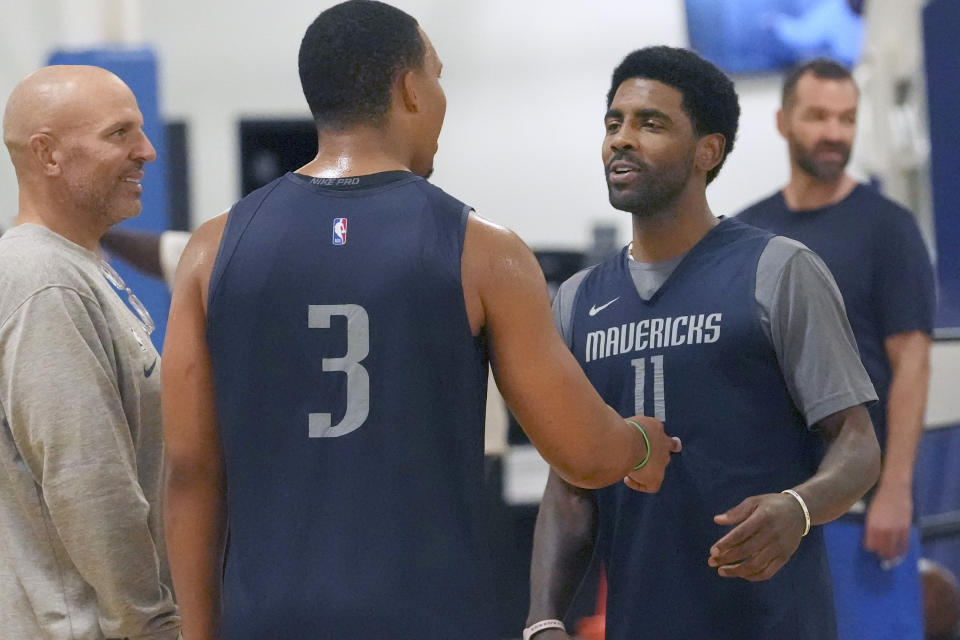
[(769, 532), (650, 477), (888, 522)]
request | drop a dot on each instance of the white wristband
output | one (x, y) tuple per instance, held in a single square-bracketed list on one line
[(803, 505), (537, 627)]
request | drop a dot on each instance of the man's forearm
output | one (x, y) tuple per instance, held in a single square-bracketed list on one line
[(848, 469), (139, 248), (195, 521), (103, 522), (562, 547), (906, 404)]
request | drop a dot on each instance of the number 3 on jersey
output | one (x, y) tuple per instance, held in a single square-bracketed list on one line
[(639, 386), (358, 381)]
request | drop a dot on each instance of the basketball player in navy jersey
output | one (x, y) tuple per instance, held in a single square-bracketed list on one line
[(325, 374), (737, 340)]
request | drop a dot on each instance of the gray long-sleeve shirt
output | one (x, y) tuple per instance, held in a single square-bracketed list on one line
[(81, 540)]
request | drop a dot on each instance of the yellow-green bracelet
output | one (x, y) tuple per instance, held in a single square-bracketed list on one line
[(646, 441)]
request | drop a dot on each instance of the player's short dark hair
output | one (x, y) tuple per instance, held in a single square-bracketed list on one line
[(709, 98), (821, 68), (349, 57)]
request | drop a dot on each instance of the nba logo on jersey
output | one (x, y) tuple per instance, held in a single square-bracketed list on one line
[(339, 231)]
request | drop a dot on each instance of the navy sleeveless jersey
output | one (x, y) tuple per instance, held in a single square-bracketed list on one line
[(695, 356), (350, 398)]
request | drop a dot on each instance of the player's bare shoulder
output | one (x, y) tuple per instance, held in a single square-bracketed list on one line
[(499, 271), (196, 263), (495, 250)]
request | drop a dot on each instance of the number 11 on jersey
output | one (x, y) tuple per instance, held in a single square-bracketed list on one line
[(640, 378)]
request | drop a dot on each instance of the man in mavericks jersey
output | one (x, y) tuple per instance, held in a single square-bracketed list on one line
[(737, 340), (325, 374)]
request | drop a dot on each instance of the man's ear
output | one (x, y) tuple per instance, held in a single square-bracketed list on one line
[(710, 150), (408, 91), (44, 152), (782, 122)]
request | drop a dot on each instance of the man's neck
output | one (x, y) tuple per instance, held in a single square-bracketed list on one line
[(75, 228), (671, 233), (805, 193), (357, 152)]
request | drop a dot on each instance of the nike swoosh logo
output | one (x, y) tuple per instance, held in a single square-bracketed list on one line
[(147, 372), (595, 310)]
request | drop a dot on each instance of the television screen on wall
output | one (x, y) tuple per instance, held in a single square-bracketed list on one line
[(746, 36)]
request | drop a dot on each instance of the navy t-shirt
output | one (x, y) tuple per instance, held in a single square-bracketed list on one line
[(880, 263), (696, 356), (350, 399)]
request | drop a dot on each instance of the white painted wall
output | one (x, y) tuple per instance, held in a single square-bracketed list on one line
[(525, 83)]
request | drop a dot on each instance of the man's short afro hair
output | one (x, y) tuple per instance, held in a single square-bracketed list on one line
[(709, 98)]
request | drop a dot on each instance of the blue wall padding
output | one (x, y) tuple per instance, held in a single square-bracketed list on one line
[(937, 478), (941, 23)]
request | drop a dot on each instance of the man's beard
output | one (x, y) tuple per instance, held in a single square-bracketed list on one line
[(822, 171), (654, 191), (106, 204)]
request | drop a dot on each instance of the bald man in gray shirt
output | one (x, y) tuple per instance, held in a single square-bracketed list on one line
[(81, 540)]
